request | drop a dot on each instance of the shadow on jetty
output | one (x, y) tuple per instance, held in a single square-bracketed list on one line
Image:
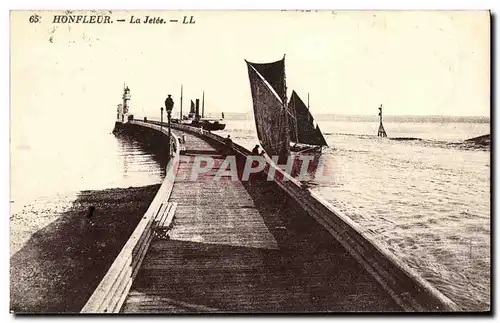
[(198, 277), (315, 261), (61, 265), (310, 272)]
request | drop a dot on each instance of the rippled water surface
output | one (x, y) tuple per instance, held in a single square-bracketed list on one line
[(426, 201), (48, 171)]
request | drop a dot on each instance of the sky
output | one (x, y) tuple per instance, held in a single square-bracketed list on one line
[(412, 62)]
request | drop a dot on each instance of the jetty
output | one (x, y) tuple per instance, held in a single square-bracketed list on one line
[(217, 245)]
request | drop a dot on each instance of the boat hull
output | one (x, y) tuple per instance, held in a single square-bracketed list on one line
[(307, 163), (210, 126), (213, 127), (299, 147)]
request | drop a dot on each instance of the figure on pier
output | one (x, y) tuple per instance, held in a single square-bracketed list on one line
[(255, 150), (169, 102), (381, 130)]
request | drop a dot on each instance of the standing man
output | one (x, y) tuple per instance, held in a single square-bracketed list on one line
[(169, 103), (228, 142), (229, 145)]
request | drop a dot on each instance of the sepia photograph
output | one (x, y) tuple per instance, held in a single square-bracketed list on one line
[(250, 161)]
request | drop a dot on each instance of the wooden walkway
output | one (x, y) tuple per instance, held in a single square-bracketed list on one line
[(245, 247)]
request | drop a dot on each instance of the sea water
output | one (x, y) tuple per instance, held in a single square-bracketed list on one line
[(50, 168), (425, 200)]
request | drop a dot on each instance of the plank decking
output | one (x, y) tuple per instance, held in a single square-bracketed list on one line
[(245, 247)]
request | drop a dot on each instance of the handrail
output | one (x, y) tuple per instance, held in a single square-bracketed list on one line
[(111, 292), (405, 285)]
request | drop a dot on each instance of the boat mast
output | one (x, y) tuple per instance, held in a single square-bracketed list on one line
[(285, 105), (309, 114), (181, 104), (293, 113), (203, 105), (290, 112)]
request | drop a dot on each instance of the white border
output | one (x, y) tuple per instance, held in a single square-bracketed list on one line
[(187, 4), (257, 4)]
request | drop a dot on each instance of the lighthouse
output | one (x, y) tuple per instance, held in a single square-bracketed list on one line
[(123, 108), (119, 113)]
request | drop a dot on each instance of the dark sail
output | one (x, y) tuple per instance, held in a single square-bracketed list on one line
[(274, 74), (192, 108), (307, 133), (270, 113), (292, 125), (192, 111)]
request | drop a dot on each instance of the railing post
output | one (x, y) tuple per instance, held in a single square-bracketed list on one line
[(169, 115)]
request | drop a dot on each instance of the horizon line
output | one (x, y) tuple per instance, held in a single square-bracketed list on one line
[(375, 115)]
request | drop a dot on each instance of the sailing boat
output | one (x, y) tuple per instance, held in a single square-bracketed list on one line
[(283, 129), (303, 134), (195, 120), (192, 111), (268, 87)]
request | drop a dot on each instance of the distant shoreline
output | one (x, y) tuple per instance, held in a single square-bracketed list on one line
[(481, 140), (364, 118)]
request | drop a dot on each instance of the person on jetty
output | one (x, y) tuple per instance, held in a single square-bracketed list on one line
[(255, 151), (229, 145), (169, 102)]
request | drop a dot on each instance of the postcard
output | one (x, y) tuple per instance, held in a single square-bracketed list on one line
[(280, 161)]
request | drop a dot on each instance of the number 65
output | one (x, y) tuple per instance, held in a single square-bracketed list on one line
[(34, 19)]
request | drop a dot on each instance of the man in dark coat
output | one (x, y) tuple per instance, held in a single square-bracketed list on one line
[(255, 150), (169, 103)]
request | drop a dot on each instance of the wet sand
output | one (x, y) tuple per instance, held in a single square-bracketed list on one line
[(60, 266)]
